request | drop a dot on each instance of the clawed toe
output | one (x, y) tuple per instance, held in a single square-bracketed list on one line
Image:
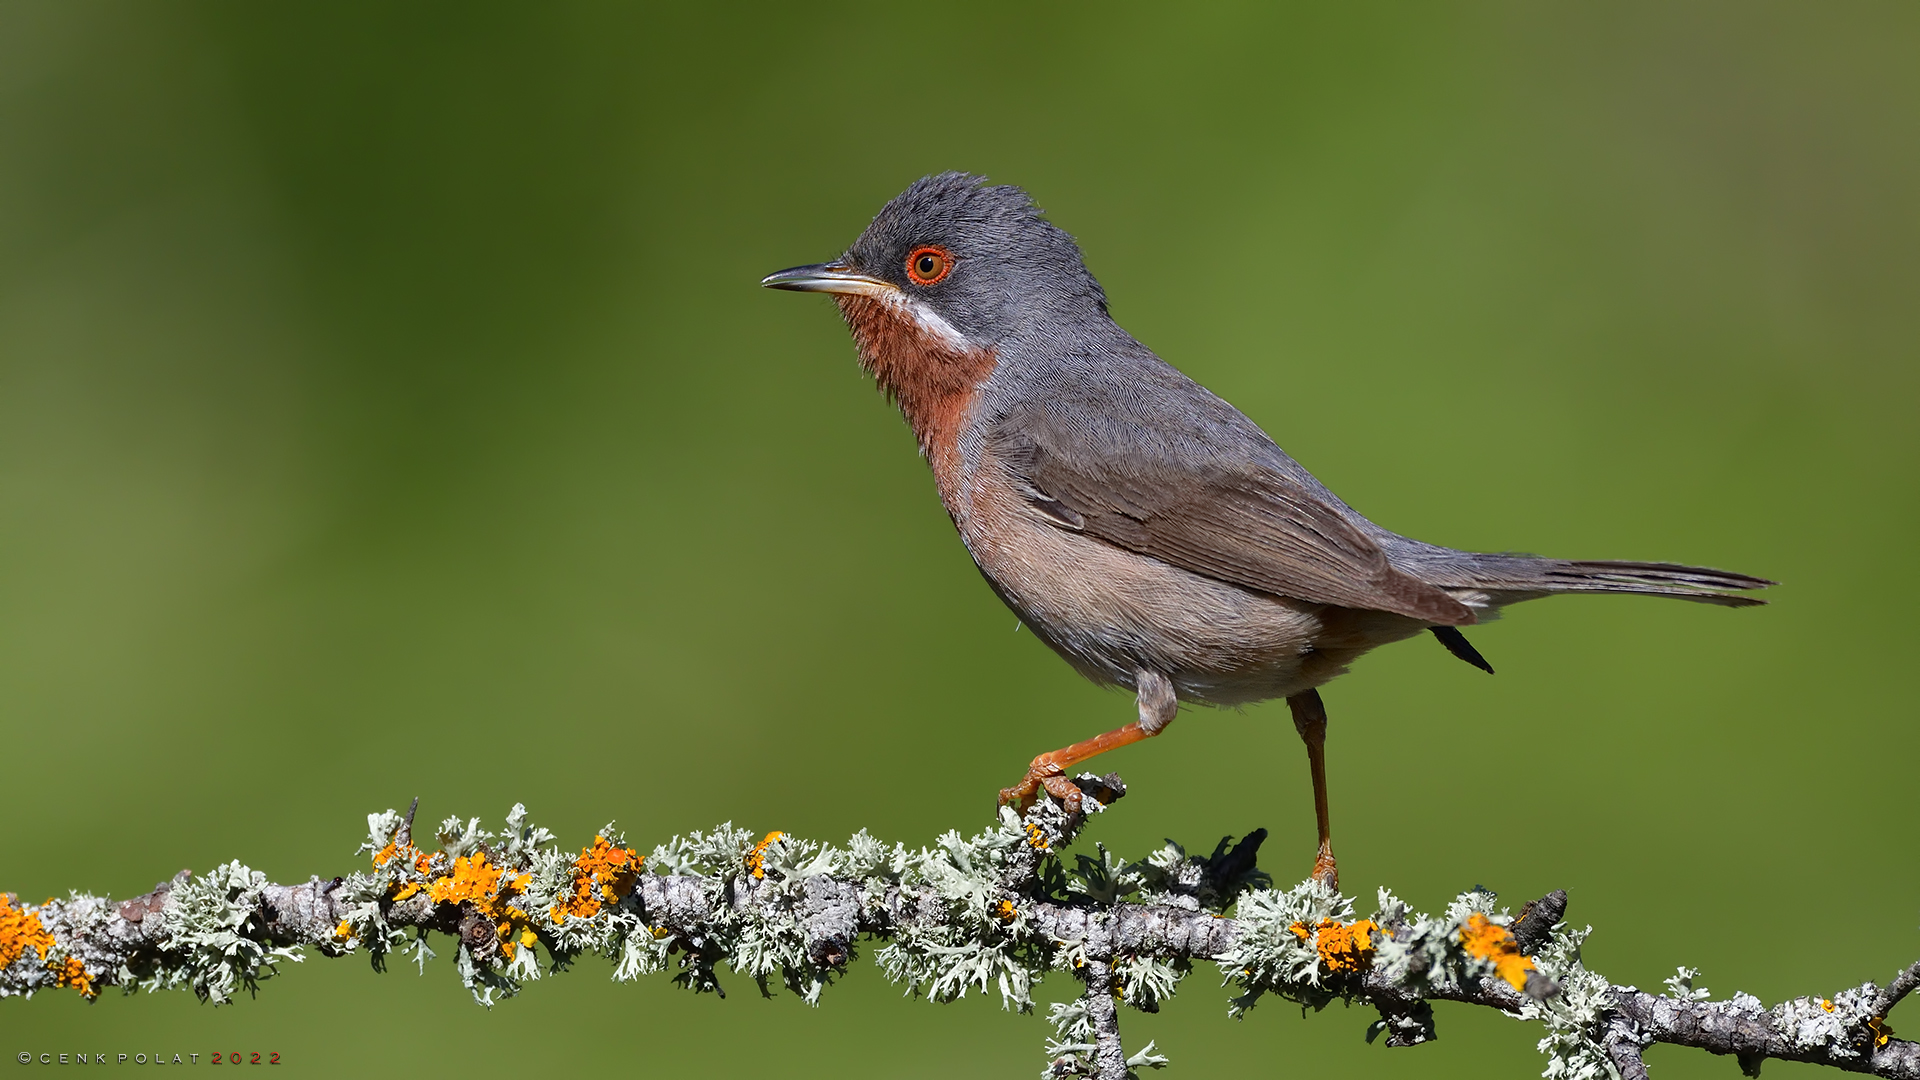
[(1020, 796), (1043, 774), (1063, 789)]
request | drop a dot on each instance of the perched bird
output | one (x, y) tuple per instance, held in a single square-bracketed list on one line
[(1145, 529)]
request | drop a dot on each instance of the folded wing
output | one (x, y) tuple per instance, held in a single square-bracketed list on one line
[(1232, 517)]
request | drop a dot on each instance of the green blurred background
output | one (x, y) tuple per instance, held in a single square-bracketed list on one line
[(388, 408)]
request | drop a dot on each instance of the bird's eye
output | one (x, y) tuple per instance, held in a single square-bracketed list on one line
[(927, 265)]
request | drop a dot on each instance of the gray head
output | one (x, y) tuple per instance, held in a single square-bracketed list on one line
[(979, 258)]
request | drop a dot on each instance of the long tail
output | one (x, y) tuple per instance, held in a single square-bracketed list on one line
[(1508, 578)]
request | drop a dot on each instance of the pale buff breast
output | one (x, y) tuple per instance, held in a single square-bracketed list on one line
[(1111, 612)]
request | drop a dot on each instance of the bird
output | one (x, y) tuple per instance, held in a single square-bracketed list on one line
[(1143, 528)]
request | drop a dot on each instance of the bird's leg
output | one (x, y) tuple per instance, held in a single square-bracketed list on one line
[(1157, 706), (1310, 719)]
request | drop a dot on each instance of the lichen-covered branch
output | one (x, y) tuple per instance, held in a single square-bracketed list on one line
[(996, 912)]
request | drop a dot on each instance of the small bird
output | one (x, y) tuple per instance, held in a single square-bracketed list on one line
[(1143, 528)]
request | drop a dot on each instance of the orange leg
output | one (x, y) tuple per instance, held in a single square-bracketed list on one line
[(1310, 719), (1049, 771)]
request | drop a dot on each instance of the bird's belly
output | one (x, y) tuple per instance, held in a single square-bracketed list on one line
[(1111, 612)]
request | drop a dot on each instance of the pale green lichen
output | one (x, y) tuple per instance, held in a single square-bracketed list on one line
[(1573, 1017), (1072, 1046), (214, 927), (1269, 957), (1829, 1024), (1427, 954), (957, 917), (1680, 986), (975, 944)]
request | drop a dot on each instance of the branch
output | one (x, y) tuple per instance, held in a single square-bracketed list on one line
[(1109, 1057), (994, 912)]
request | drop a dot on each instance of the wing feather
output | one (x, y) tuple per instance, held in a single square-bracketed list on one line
[(1246, 523)]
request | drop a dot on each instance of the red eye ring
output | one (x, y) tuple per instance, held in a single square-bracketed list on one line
[(928, 264)]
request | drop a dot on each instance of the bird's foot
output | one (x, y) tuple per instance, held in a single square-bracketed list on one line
[(1043, 774), (1324, 870)]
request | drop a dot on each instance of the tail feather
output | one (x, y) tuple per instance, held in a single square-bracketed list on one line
[(1531, 575), (1699, 583)]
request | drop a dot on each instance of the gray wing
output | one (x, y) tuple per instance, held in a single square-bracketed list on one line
[(1167, 487)]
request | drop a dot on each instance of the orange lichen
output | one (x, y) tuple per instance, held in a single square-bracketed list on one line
[(603, 872), (475, 880), (1349, 947), (1882, 1033), (757, 861), (513, 928), (20, 930), (422, 863), (1005, 911), (1036, 837), (613, 869), (72, 972), (1487, 940), (527, 937), (490, 889), (343, 932), (1827, 1005), (421, 860), (1342, 948)]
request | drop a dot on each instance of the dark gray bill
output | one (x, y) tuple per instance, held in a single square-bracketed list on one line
[(827, 278)]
